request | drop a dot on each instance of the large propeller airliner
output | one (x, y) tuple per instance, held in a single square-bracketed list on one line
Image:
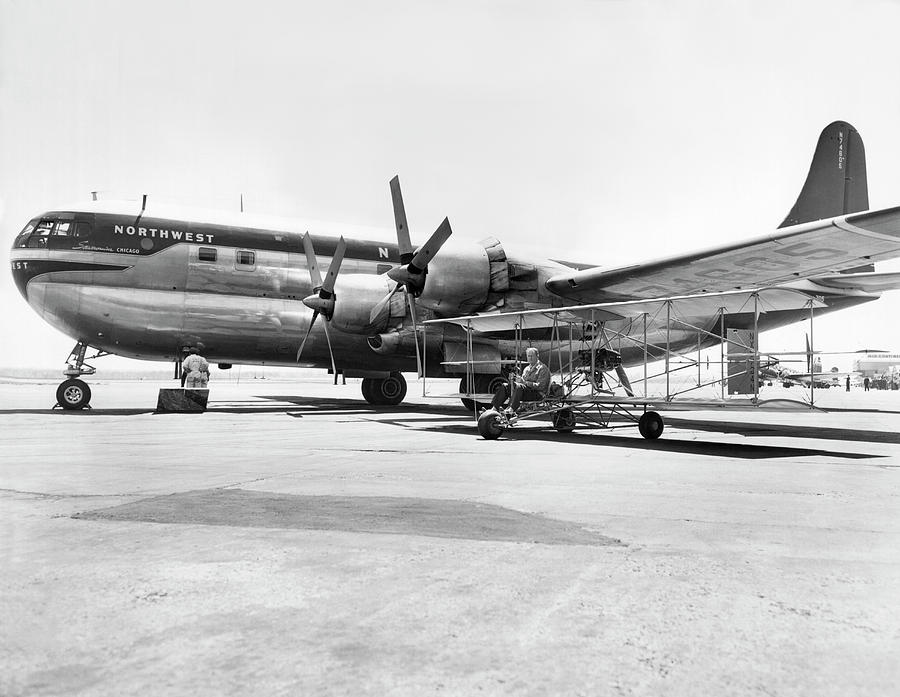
[(144, 281)]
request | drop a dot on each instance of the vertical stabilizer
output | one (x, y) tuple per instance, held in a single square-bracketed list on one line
[(836, 183)]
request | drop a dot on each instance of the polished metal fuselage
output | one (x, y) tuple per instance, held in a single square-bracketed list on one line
[(139, 286)]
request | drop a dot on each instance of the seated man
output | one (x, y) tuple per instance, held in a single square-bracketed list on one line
[(531, 386)]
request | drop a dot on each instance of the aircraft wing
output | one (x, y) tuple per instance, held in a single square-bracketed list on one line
[(816, 249)]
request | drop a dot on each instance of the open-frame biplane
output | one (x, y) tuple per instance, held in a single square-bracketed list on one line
[(584, 345)]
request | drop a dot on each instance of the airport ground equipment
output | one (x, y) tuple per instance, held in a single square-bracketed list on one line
[(583, 346)]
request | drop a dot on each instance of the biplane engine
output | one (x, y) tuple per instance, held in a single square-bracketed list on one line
[(602, 360), (458, 279), (356, 296)]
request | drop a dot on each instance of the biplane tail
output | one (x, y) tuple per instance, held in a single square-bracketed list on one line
[(836, 183)]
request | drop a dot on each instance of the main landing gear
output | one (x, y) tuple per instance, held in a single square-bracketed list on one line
[(388, 391), (72, 393)]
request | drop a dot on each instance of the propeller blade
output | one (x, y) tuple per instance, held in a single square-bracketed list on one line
[(334, 267), (330, 351), (412, 272), (412, 314), (308, 330), (406, 248), (381, 305), (311, 263), (430, 248), (623, 378)]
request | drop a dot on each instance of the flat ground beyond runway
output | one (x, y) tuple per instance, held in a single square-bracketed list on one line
[(295, 541)]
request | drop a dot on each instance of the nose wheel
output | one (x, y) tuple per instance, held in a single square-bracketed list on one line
[(73, 394)]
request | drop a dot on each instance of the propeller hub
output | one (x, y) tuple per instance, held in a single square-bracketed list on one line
[(408, 275), (316, 302)]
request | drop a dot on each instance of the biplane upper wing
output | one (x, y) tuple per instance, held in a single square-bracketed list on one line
[(616, 315), (808, 250)]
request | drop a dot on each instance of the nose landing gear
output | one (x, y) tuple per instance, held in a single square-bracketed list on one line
[(72, 393)]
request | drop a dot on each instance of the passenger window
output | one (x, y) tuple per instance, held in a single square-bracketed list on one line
[(245, 258), (82, 230), (62, 228), (207, 254)]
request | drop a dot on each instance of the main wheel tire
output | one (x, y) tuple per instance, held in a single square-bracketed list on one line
[(650, 425), (469, 404), (489, 425), (73, 394), (388, 391), (564, 420), (366, 388)]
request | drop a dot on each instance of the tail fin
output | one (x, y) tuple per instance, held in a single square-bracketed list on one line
[(836, 183)]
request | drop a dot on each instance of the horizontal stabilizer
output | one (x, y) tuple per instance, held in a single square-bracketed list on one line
[(868, 282), (836, 183)]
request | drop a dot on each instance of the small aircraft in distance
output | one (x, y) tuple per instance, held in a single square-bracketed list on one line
[(773, 371), (147, 281)]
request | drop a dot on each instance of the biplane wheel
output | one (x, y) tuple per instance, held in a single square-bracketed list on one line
[(489, 425), (564, 420), (73, 394), (650, 425)]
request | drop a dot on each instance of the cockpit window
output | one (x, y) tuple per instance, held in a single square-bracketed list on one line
[(38, 238), (40, 231), (22, 239)]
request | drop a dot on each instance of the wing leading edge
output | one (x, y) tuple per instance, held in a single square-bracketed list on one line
[(818, 248)]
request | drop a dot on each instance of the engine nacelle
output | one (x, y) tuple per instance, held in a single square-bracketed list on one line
[(403, 342), (458, 280), (356, 295)]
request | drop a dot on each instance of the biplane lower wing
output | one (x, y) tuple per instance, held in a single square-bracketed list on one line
[(699, 309)]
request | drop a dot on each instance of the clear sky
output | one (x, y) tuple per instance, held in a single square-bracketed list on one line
[(597, 131)]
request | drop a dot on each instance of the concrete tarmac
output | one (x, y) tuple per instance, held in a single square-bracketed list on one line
[(293, 540)]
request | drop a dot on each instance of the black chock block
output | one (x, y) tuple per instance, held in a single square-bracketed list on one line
[(182, 400)]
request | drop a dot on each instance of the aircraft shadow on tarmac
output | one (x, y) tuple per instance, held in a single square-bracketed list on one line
[(694, 447), (785, 431), (420, 415)]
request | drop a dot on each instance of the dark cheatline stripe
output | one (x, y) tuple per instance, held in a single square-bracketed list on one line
[(24, 269)]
